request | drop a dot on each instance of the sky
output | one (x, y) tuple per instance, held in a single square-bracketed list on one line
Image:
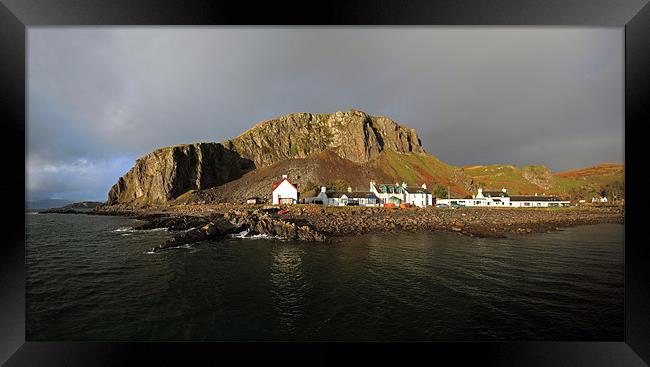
[(101, 97)]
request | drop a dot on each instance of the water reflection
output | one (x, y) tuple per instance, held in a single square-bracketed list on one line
[(289, 287)]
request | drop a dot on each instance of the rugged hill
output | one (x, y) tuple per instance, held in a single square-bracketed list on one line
[(326, 168), (350, 148), (167, 173), (352, 135)]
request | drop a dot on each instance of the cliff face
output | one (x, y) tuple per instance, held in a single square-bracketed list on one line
[(538, 175), (167, 173), (352, 135)]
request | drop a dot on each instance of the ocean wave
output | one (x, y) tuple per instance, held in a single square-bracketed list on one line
[(246, 234), (132, 230), (152, 230), (32, 213), (241, 234), (185, 246)]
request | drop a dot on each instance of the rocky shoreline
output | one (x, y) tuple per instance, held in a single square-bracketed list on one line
[(316, 223), (245, 222)]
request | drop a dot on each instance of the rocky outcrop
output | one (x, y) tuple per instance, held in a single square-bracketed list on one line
[(538, 175), (217, 228), (352, 135), (257, 222), (169, 172)]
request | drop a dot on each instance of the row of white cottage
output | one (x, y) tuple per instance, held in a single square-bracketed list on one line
[(378, 195), (501, 199), (285, 192)]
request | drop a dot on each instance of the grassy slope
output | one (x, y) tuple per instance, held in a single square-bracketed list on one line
[(416, 169), (498, 176), (591, 180), (587, 181)]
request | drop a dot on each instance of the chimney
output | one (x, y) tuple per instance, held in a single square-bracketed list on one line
[(284, 176), (424, 186), (323, 189), (349, 189)]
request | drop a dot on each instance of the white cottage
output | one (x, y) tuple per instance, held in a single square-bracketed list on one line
[(418, 196), (285, 192), (398, 194), (349, 197)]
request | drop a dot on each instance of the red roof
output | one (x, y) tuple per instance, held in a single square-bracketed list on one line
[(275, 185)]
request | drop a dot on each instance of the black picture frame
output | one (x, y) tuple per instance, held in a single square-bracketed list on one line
[(634, 15)]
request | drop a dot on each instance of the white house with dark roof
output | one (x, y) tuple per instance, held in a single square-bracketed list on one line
[(343, 198), (398, 194), (285, 192)]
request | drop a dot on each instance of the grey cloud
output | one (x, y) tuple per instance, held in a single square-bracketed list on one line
[(550, 96)]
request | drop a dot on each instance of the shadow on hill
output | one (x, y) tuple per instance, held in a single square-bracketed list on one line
[(205, 166)]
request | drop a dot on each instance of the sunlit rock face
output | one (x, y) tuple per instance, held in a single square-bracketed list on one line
[(167, 173), (353, 135)]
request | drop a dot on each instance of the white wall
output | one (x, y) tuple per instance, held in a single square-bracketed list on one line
[(285, 190)]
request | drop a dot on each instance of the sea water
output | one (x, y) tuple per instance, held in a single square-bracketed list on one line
[(93, 278)]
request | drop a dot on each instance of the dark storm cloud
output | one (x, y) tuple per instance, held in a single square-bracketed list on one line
[(101, 97)]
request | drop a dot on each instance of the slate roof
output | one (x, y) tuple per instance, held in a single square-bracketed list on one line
[(361, 195), (417, 190), (354, 194), (494, 194), (276, 184), (535, 198)]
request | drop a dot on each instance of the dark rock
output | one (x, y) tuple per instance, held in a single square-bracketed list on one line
[(217, 228)]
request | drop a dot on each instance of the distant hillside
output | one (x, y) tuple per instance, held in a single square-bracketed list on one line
[(525, 180), (47, 203), (579, 183), (342, 148), (585, 182), (83, 205)]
